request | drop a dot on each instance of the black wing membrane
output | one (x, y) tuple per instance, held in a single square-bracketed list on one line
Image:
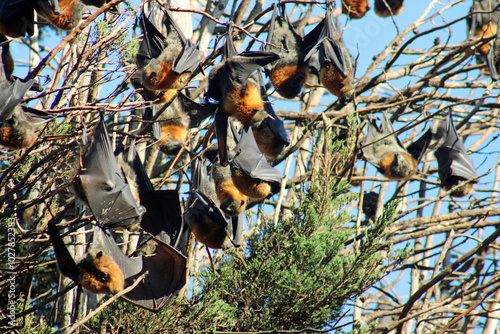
[(101, 185)]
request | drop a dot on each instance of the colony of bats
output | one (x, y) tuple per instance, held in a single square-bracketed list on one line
[(115, 187)]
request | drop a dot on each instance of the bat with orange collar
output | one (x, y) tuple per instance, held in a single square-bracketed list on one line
[(250, 171), (455, 168), (165, 63), (289, 73), (270, 135), (334, 62), (104, 187), (385, 152), (356, 9), (234, 85), (388, 8), (105, 269), (204, 217), (482, 25)]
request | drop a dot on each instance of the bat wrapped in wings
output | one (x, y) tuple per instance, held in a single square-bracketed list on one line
[(104, 187), (482, 24), (164, 63), (250, 171), (493, 57), (334, 63), (384, 150), (105, 269), (234, 85)]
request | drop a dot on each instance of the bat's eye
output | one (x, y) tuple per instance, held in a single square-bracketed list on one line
[(99, 255), (242, 203)]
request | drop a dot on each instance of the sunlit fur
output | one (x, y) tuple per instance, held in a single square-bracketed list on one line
[(267, 141), (233, 202), (460, 191), (397, 166), (158, 75), (382, 10), (172, 132), (288, 80), (168, 96), (245, 105), (210, 233), (71, 14), (335, 83), (17, 136), (253, 188), (483, 32), (114, 281), (355, 9)]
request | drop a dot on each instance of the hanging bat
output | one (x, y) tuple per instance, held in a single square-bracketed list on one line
[(493, 57), (289, 73), (356, 9), (386, 153), (250, 171), (270, 135), (105, 269), (388, 8), (165, 62), (482, 25), (103, 187), (335, 68), (7, 60), (17, 17), (237, 89), (18, 124), (204, 217), (162, 218)]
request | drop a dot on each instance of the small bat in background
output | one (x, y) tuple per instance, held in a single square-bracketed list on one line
[(454, 164), (105, 269), (63, 14), (395, 7), (204, 217), (334, 62), (163, 217), (171, 130), (104, 187), (481, 25), (233, 84), (270, 135), (164, 63), (386, 153), (250, 171), (356, 9), (17, 17), (288, 73)]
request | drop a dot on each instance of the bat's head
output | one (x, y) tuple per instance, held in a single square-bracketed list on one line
[(99, 273), (288, 80), (457, 184), (16, 132), (158, 75), (173, 137), (233, 206), (210, 232), (402, 166), (268, 142)]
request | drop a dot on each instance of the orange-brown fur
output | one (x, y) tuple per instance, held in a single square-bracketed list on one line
[(245, 105), (486, 31), (460, 191), (167, 96), (13, 140), (227, 189), (210, 233), (355, 9), (253, 188), (106, 265), (266, 141), (65, 20), (172, 132), (335, 83), (162, 77), (385, 166), (280, 76)]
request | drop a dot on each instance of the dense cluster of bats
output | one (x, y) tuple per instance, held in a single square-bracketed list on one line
[(114, 185)]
